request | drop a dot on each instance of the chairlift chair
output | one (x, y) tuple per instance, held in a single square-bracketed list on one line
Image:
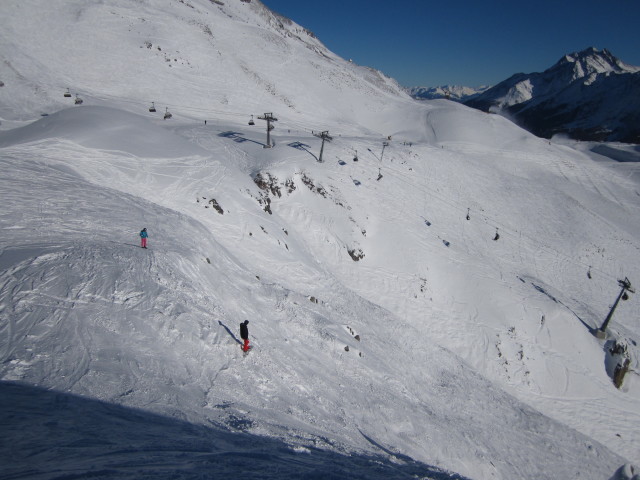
[(167, 114), (152, 108), (251, 122), (67, 94), (78, 100), (468, 216), (497, 235)]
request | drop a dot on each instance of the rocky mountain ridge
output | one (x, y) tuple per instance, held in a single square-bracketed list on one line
[(588, 95)]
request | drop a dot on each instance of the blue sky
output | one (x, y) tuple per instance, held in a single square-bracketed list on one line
[(464, 42)]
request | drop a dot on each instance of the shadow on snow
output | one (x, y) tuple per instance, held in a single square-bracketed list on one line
[(229, 332), (303, 147), (238, 137), (49, 434)]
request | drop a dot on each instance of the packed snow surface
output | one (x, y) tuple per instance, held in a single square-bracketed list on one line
[(422, 302)]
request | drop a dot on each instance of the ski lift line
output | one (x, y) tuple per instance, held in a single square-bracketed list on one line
[(309, 128), (171, 105), (505, 231), (448, 201), (406, 179)]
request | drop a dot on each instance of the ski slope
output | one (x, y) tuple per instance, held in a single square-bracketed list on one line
[(473, 358)]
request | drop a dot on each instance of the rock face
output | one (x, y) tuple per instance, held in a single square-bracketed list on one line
[(589, 95)]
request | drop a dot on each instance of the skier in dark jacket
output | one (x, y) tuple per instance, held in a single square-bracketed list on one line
[(244, 334)]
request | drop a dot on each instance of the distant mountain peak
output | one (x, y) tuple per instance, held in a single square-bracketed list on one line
[(593, 61), (587, 52), (451, 92), (589, 95)]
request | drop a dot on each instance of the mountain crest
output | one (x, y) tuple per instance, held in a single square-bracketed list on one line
[(592, 61), (589, 95)]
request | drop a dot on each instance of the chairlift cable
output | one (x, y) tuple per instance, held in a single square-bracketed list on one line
[(504, 229)]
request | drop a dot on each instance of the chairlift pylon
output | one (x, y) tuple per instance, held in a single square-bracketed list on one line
[(251, 122), (167, 114), (152, 108), (67, 94)]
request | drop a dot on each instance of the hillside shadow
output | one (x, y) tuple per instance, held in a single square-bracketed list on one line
[(48, 434)]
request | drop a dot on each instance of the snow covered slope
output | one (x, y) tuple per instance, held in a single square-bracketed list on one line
[(439, 353), (198, 58), (589, 95)]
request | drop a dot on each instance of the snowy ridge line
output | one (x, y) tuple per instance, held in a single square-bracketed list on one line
[(180, 107), (512, 232), (147, 104)]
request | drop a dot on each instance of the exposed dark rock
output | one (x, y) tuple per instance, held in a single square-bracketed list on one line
[(356, 254), (217, 206)]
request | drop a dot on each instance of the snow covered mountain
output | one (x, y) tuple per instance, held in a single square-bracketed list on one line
[(235, 58), (589, 95), (421, 303), (450, 92)]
